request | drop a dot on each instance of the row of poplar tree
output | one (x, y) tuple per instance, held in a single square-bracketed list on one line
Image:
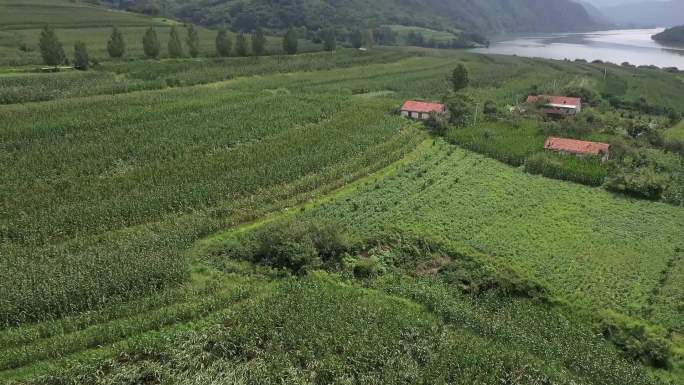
[(53, 54)]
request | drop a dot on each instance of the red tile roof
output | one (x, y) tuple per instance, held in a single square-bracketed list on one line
[(559, 100), (424, 107), (576, 146)]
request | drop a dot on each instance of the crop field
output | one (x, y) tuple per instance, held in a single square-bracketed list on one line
[(114, 178), (588, 246), (34, 14), (124, 77), (390, 333), (147, 159)]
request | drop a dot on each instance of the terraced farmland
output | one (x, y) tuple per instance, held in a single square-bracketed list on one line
[(122, 187), (589, 246)]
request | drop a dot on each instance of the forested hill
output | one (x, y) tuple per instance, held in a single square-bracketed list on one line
[(673, 35), (489, 16)]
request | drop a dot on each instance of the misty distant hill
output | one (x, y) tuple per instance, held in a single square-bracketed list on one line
[(651, 13), (674, 35), (490, 16)]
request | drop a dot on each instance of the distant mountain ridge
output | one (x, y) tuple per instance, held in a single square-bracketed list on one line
[(489, 16), (674, 35)]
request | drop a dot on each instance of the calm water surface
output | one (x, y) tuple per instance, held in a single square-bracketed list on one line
[(634, 46)]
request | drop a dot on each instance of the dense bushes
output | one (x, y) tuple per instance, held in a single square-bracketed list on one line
[(648, 344), (292, 245), (648, 173), (474, 277)]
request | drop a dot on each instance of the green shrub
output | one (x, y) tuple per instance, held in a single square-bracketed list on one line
[(367, 268), (286, 246), (330, 242), (293, 245), (648, 344), (474, 277)]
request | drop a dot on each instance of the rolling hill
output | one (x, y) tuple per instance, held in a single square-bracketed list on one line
[(489, 16)]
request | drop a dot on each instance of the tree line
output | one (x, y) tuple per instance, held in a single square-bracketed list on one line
[(53, 54)]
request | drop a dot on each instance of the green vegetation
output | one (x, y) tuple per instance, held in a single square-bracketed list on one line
[(402, 33), (491, 16), (175, 47), (674, 35), (81, 58), (193, 42), (73, 21), (224, 44), (262, 219), (128, 76), (676, 132), (324, 329), (151, 44), (241, 45), (290, 45), (51, 48), (116, 46), (459, 78)]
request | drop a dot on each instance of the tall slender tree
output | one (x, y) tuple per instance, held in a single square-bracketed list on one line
[(116, 46), (259, 42), (51, 48), (290, 42), (175, 45), (368, 38), (329, 40), (459, 77), (151, 43), (241, 45), (356, 38), (81, 58), (193, 41), (224, 43)]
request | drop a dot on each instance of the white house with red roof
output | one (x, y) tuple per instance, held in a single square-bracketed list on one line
[(421, 110), (578, 147), (557, 105)]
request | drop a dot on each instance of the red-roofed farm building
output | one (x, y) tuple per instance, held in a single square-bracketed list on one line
[(421, 110), (557, 105), (578, 147)]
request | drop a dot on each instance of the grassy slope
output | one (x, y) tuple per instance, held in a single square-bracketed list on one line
[(34, 14), (676, 132), (403, 31)]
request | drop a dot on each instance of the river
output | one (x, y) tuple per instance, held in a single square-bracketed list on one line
[(617, 46)]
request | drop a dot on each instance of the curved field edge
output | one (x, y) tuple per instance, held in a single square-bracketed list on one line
[(331, 329), (585, 273), (52, 346)]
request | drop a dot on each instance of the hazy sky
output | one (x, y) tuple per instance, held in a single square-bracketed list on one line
[(605, 3)]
